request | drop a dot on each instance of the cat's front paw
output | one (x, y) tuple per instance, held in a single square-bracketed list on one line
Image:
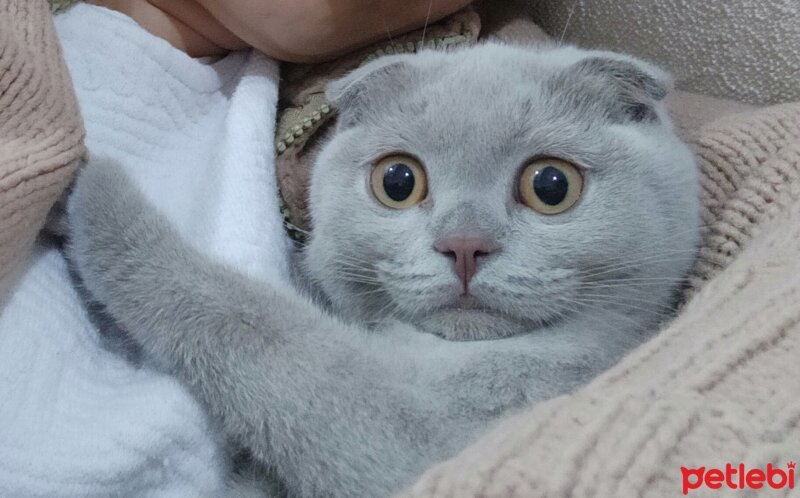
[(103, 214), (497, 382)]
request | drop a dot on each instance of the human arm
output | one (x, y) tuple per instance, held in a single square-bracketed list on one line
[(288, 30)]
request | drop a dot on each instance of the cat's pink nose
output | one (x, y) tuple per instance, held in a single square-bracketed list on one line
[(465, 250)]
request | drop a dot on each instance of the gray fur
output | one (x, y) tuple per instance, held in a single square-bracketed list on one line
[(359, 395), (626, 90)]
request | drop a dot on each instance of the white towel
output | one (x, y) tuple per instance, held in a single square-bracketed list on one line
[(76, 420)]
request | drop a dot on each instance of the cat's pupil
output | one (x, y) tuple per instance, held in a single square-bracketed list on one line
[(551, 185), (398, 182)]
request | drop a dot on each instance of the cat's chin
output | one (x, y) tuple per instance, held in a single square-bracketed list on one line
[(455, 324)]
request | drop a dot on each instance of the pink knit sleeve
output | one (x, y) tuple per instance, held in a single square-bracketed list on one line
[(41, 133)]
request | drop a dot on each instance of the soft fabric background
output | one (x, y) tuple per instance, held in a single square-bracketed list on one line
[(746, 50)]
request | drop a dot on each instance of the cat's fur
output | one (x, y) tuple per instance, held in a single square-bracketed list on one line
[(355, 396)]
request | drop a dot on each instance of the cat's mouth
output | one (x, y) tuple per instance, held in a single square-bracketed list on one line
[(467, 318), (466, 302)]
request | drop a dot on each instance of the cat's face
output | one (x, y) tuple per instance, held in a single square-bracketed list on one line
[(493, 190)]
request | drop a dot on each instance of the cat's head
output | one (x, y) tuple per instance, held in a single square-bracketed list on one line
[(494, 190)]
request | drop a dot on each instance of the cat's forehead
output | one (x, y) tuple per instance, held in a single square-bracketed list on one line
[(477, 106), (494, 107), (497, 86), (464, 84), (495, 63), (487, 77)]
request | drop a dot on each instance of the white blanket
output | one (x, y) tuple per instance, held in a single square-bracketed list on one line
[(75, 419)]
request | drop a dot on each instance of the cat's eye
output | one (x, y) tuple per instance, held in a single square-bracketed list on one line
[(399, 181), (550, 186)]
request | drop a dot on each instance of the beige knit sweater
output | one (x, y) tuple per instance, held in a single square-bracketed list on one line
[(41, 134)]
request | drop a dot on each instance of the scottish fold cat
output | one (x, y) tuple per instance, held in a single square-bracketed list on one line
[(492, 227)]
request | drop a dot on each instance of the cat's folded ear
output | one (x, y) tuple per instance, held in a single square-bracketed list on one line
[(625, 88), (369, 86)]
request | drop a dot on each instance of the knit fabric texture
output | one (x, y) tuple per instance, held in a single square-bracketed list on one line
[(41, 133), (718, 385), (739, 49)]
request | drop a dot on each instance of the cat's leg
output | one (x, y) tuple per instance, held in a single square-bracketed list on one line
[(298, 388)]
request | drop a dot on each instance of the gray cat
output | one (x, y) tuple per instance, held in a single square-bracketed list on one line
[(493, 227)]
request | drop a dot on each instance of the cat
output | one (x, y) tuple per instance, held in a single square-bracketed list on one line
[(492, 227)]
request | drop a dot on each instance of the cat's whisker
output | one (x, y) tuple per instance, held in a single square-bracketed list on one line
[(606, 307), (576, 306), (615, 303), (659, 242), (634, 264), (579, 306), (388, 32), (427, 20), (407, 313), (349, 277), (357, 266), (626, 299), (623, 282), (357, 279), (656, 245), (388, 307), (644, 256), (353, 269), (626, 270), (636, 282), (401, 313), (353, 260), (618, 287), (301, 230), (356, 272), (566, 24), (368, 293), (636, 259), (657, 249), (349, 258)]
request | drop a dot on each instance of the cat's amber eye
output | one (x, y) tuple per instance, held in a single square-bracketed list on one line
[(399, 181), (550, 186)]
